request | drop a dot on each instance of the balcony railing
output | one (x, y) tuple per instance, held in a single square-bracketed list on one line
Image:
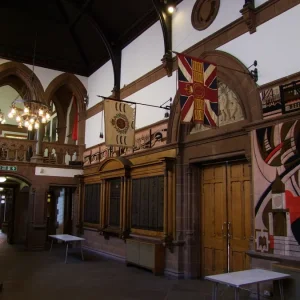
[(20, 150), (16, 149)]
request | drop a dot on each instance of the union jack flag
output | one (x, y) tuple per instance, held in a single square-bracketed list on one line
[(197, 84)]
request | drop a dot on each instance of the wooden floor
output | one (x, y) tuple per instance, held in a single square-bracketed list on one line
[(43, 275)]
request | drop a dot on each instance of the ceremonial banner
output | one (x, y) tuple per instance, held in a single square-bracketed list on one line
[(119, 124), (197, 84)]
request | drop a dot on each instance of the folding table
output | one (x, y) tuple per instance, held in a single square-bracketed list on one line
[(237, 279), (67, 239)]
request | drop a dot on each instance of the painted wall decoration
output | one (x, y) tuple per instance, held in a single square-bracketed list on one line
[(276, 179), (282, 99)]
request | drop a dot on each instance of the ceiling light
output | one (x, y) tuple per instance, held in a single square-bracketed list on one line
[(3, 197), (171, 9), (2, 179), (1, 189), (2, 201)]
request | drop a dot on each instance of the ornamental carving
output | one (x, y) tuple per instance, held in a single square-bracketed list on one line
[(204, 13), (230, 109)]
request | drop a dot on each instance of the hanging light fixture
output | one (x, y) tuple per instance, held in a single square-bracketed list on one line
[(2, 179), (34, 112)]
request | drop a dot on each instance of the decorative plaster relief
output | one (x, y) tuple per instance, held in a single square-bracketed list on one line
[(204, 13), (230, 110)]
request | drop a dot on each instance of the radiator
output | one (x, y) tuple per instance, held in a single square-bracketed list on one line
[(146, 254)]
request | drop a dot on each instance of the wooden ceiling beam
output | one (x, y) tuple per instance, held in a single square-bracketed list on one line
[(166, 26), (71, 26)]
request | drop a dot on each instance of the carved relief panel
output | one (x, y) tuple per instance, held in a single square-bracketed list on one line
[(204, 13), (230, 109)]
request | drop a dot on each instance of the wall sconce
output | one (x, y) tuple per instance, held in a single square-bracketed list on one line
[(170, 5), (86, 100)]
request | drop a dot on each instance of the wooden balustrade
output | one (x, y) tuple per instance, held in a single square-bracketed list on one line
[(16, 149), (61, 154), (20, 150)]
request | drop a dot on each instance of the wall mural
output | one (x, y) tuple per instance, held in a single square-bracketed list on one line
[(276, 179)]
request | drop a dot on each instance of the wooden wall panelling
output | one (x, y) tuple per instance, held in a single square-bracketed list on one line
[(122, 206), (102, 204), (165, 203)]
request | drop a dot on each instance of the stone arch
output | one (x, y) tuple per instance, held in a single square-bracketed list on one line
[(73, 83), (17, 177), (238, 81), (17, 75)]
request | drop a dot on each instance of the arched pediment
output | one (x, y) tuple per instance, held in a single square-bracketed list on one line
[(17, 75), (73, 83), (240, 102), (114, 164)]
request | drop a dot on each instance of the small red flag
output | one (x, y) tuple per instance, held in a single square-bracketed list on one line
[(75, 123)]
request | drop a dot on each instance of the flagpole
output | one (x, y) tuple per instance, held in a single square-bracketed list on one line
[(232, 69), (131, 102)]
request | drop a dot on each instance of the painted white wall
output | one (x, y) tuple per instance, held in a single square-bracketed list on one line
[(184, 34), (142, 55), (260, 2), (7, 95), (92, 130), (156, 94), (101, 83), (57, 172), (274, 46), (47, 75)]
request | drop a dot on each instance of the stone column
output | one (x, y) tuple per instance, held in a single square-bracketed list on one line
[(38, 156)]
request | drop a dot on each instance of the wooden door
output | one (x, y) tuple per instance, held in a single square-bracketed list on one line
[(226, 217), (239, 215), (214, 218)]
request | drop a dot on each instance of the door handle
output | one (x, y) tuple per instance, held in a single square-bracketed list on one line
[(228, 230), (224, 235)]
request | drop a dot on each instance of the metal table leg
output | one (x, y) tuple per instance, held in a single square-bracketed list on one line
[(215, 291), (67, 248), (258, 292), (51, 245), (237, 293), (81, 250), (281, 290)]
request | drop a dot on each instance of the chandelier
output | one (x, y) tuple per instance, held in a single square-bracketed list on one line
[(34, 112), (2, 118), (32, 115)]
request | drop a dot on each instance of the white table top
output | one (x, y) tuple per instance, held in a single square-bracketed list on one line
[(66, 237), (237, 279)]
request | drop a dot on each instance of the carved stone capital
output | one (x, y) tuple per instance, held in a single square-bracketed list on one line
[(249, 16), (167, 61)]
